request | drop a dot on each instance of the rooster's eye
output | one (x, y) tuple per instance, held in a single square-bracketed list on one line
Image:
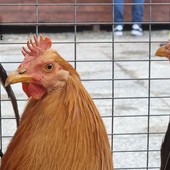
[(48, 67)]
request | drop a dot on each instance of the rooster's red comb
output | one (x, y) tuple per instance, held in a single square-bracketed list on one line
[(38, 47)]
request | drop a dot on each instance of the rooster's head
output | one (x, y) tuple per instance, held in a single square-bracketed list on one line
[(43, 70)]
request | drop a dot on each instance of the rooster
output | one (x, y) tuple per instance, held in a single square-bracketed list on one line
[(164, 51), (60, 128)]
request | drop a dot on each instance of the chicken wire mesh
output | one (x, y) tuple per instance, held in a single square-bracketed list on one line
[(129, 85)]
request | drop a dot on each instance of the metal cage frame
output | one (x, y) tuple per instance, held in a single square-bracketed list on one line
[(123, 158)]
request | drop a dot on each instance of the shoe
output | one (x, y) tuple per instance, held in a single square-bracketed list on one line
[(118, 30), (136, 30)]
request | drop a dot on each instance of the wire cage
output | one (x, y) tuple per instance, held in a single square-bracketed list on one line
[(129, 85)]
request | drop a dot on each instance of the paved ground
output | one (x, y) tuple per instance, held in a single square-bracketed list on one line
[(140, 86)]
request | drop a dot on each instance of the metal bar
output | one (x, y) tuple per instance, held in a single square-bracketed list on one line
[(113, 91), (75, 33), (78, 23), (37, 21), (149, 86), (82, 4)]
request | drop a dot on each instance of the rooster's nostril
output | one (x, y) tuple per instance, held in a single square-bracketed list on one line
[(22, 70)]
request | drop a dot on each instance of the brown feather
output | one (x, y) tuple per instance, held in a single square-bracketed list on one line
[(62, 131)]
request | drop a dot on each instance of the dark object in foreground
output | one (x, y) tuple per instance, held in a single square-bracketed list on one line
[(3, 77), (1, 154), (165, 151)]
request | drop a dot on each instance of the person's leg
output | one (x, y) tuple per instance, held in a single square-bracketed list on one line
[(118, 12), (118, 17), (137, 12), (137, 17)]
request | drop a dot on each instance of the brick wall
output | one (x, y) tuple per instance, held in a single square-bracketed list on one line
[(85, 13)]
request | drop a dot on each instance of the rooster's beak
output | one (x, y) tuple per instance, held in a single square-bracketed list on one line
[(163, 51), (17, 77)]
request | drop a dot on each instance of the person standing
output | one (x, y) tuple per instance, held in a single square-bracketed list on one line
[(137, 17)]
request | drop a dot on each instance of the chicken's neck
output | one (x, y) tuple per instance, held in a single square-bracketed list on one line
[(78, 102), (68, 106)]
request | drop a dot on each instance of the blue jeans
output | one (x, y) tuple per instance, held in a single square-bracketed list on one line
[(137, 12)]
